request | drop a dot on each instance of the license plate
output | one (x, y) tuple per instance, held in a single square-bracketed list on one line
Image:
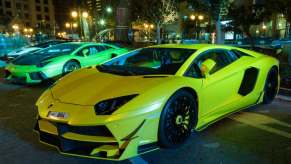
[(58, 115)]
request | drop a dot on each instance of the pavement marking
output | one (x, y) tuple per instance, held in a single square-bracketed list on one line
[(14, 105), (6, 118), (138, 160), (264, 111), (213, 145), (261, 121)]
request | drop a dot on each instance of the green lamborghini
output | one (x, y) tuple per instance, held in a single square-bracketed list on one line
[(152, 98), (59, 60)]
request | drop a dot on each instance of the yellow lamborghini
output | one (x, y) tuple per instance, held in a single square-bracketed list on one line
[(152, 98)]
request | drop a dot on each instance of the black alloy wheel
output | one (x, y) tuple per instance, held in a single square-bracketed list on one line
[(70, 66), (271, 86), (177, 119)]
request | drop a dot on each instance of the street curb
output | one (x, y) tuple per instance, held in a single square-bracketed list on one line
[(284, 98)]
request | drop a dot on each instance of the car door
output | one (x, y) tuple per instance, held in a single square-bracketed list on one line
[(219, 89)]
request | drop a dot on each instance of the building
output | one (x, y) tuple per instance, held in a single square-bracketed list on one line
[(35, 14)]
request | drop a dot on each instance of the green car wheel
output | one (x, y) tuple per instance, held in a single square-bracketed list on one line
[(71, 66), (177, 119)]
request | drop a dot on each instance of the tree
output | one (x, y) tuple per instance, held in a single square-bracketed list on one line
[(159, 12), (215, 9), (246, 14)]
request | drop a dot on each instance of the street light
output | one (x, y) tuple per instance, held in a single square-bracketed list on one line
[(67, 25), (192, 17), (85, 14), (200, 17), (109, 10), (74, 14), (102, 22), (75, 25), (15, 27)]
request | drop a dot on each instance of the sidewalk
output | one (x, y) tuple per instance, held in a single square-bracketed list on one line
[(284, 94)]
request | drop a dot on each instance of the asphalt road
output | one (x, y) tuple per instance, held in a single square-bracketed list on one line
[(258, 135)]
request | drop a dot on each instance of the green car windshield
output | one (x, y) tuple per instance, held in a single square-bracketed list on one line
[(148, 61), (59, 49), (45, 54)]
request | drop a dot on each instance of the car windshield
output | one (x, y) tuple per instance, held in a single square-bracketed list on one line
[(47, 44), (58, 50), (148, 61)]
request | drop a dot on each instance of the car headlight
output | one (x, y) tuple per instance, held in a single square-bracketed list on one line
[(43, 63), (107, 107)]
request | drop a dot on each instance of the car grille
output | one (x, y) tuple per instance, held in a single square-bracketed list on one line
[(84, 130), (37, 76)]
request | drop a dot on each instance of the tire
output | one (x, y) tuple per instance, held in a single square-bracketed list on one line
[(177, 119), (70, 66), (271, 86)]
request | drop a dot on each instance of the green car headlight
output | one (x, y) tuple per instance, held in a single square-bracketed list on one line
[(107, 107)]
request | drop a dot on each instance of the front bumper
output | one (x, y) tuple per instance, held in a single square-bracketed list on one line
[(23, 78), (110, 139), (76, 140), (25, 74)]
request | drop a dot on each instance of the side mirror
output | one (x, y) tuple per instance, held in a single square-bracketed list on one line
[(85, 52), (207, 66)]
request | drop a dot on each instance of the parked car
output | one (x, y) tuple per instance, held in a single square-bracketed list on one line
[(30, 49), (152, 97), (59, 60)]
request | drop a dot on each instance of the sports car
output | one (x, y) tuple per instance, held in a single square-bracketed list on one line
[(30, 49), (152, 98), (59, 60)]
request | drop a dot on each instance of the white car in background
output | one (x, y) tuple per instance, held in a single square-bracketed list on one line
[(21, 51)]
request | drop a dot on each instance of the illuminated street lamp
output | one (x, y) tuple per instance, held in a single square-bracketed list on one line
[(146, 25), (74, 14), (30, 30), (152, 26), (67, 25), (264, 27), (102, 22), (109, 10), (75, 25), (200, 17), (85, 14), (192, 17), (15, 27), (257, 31)]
